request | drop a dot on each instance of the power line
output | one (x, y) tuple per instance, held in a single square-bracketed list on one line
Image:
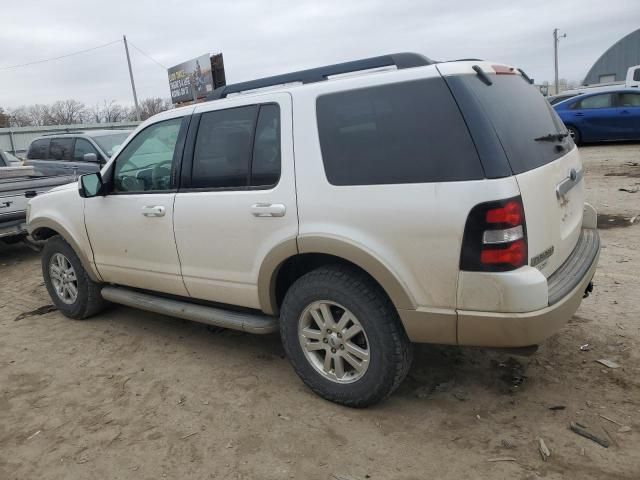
[(60, 57), (147, 55)]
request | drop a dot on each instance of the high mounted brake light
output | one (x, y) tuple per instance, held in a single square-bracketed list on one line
[(503, 70), (495, 237)]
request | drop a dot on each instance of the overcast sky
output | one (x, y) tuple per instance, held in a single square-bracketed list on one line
[(260, 38)]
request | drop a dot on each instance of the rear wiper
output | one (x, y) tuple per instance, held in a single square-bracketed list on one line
[(552, 137)]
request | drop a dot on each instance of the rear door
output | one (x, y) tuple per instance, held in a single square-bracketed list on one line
[(629, 114), (541, 154), (60, 155), (237, 201)]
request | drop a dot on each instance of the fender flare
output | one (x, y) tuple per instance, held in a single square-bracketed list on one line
[(59, 229), (337, 247)]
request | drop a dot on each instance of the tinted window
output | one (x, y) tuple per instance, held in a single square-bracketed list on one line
[(596, 101), (82, 147), (39, 149), (146, 162), (401, 133), (636, 74), (518, 114), (60, 148), (223, 148), (630, 99), (265, 168)]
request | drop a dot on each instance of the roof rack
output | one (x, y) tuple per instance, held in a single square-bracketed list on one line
[(319, 74), (64, 131)]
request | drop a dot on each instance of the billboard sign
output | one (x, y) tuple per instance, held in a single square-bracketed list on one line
[(191, 80)]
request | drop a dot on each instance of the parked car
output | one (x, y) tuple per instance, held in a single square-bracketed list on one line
[(354, 208), (9, 160), (74, 152), (17, 185), (603, 116)]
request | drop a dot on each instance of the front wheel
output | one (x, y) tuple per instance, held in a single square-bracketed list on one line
[(343, 336), (69, 286)]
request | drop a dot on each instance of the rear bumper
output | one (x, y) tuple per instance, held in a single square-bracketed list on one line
[(566, 288)]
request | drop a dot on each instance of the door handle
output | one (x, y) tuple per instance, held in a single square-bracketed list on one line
[(268, 210), (579, 114), (153, 211), (625, 112)]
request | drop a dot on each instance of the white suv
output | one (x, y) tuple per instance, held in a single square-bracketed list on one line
[(356, 208)]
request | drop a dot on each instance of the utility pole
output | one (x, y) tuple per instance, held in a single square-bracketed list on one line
[(133, 84), (556, 40)]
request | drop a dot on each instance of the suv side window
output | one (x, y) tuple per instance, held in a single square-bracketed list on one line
[(39, 149), (82, 147), (60, 148), (410, 132), (223, 148), (265, 166), (597, 101), (146, 162), (235, 148)]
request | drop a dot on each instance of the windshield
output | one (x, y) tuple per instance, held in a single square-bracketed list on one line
[(560, 98), (520, 116), (110, 143)]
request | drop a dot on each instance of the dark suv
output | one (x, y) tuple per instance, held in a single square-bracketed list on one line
[(77, 152)]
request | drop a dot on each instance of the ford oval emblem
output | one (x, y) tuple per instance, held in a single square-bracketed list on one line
[(573, 174)]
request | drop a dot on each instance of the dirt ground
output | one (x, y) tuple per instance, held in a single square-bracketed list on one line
[(130, 395)]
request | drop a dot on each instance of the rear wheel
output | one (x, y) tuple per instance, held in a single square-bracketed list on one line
[(69, 286), (343, 336), (574, 133)]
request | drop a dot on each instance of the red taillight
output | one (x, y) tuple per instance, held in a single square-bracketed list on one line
[(515, 255), (495, 237), (510, 214)]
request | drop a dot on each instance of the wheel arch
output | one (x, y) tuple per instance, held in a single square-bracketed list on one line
[(283, 266), (43, 229)]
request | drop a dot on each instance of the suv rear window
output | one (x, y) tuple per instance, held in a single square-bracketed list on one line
[(39, 149), (410, 132), (519, 114)]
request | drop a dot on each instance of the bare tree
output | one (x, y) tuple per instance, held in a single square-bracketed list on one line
[(112, 112), (67, 112), (153, 105), (4, 118)]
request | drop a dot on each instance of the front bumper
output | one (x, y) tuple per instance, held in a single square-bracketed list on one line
[(566, 288)]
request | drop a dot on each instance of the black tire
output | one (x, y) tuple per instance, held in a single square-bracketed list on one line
[(390, 351), (575, 134), (89, 301)]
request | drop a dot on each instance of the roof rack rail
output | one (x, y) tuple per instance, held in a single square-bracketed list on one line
[(64, 131), (400, 60)]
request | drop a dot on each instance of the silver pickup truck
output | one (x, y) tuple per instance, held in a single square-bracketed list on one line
[(17, 185)]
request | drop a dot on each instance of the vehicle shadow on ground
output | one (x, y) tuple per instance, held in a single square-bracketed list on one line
[(11, 254), (449, 373)]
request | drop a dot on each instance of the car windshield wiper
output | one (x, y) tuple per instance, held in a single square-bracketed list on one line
[(552, 137)]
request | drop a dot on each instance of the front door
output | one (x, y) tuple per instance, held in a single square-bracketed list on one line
[(238, 201), (131, 228), (596, 117)]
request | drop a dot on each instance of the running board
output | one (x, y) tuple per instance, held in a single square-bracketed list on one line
[(246, 322)]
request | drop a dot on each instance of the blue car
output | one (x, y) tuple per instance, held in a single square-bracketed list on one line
[(602, 116)]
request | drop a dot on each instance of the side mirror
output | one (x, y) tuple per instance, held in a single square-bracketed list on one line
[(90, 157), (90, 185)]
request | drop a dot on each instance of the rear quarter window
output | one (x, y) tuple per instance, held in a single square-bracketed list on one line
[(410, 132)]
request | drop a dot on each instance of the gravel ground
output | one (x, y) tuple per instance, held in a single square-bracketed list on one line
[(130, 394)]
